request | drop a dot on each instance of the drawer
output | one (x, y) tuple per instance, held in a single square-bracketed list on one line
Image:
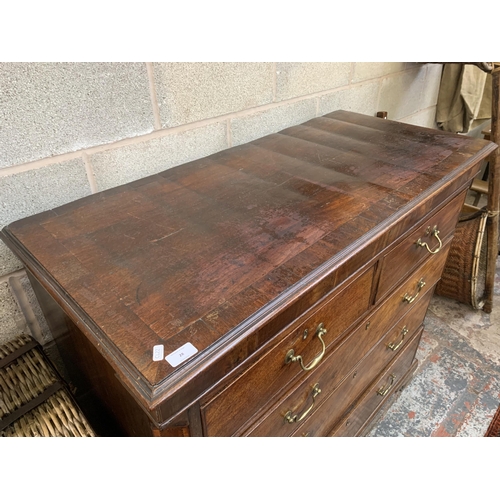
[(300, 405), (341, 402), (408, 254), (421, 280), (391, 379), (229, 410)]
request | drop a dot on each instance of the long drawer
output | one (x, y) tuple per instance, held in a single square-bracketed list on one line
[(340, 403), (225, 413)]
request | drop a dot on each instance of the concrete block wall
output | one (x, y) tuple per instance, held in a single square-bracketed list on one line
[(71, 129)]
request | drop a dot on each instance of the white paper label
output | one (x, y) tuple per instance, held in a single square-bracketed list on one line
[(158, 352), (180, 355)]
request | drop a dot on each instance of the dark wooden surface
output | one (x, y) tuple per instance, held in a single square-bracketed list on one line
[(355, 423), (225, 251)]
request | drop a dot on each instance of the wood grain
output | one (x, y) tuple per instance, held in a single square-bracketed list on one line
[(226, 251)]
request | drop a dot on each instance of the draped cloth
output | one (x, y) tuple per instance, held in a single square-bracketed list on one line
[(464, 98)]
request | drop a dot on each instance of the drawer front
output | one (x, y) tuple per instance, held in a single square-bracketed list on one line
[(339, 403), (421, 280), (301, 404), (228, 411), (408, 254), (357, 420)]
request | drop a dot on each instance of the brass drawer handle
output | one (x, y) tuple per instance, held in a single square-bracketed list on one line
[(395, 347), (385, 389), (291, 358), (408, 298), (291, 419), (433, 232)]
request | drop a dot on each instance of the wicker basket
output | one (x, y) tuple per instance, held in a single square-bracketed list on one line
[(464, 275), (33, 399)]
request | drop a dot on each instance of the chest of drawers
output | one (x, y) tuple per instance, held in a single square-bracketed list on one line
[(277, 288)]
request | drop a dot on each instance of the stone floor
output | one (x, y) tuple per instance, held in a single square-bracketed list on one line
[(456, 388)]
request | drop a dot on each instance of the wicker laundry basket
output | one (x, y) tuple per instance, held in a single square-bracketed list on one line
[(464, 274), (33, 399)]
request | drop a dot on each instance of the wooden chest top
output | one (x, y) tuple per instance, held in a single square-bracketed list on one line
[(206, 252)]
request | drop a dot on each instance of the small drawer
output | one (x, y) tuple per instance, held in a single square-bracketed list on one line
[(341, 401), (378, 393), (422, 243), (305, 346), (422, 279), (284, 418)]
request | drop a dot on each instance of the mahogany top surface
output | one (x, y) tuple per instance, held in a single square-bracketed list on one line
[(188, 254)]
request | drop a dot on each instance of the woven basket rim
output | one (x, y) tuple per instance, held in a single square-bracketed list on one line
[(34, 400)]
